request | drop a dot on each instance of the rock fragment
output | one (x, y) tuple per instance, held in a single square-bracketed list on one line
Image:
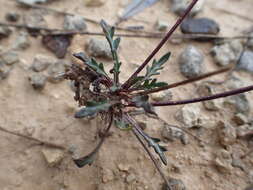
[(4, 32), (55, 70), (37, 80), (240, 119), (227, 53), (41, 62), (223, 161), (34, 19), (246, 62), (164, 95), (175, 184), (53, 156), (99, 48), (226, 133), (12, 16), (9, 57), (4, 70), (179, 7), (162, 25), (200, 26), (191, 62), (22, 42), (238, 104), (76, 22)]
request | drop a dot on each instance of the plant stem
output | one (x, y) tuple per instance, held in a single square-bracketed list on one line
[(201, 99), (153, 53), (41, 142), (191, 80), (136, 133)]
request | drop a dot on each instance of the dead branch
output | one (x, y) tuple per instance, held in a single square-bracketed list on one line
[(40, 142)]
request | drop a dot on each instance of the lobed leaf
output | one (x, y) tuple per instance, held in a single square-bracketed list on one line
[(92, 108), (92, 63), (142, 101)]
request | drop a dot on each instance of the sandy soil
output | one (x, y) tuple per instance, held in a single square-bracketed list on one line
[(48, 115)]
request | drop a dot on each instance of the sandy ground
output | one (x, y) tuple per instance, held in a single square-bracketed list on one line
[(48, 115)]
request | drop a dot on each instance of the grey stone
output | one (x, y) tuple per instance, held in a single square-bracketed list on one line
[(200, 26), (99, 48), (12, 16), (41, 62), (107, 175), (226, 133), (171, 133), (4, 71), (237, 162), (4, 32), (206, 90), (55, 70), (22, 42), (179, 7), (53, 156), (130, 178), (34, 19), (162, 25), (191, 61), (238, 104), (175, 184), (246, 62), (223, 161), (190, 116), (164, 95), (74, 23), (227, 53), (9, 57), (234, 82), (37, 80)]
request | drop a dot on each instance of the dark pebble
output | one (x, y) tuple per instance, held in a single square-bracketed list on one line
[(246, 62), (200, 26), (12, 17)]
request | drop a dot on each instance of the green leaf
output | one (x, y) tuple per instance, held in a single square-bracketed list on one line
[(99, 68), (153, 142), (92, 108), (157, 66), (149, 84), (122, 124), (116, 43), (142, 101), (87, 160)]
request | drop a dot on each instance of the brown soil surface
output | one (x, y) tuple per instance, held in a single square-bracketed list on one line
[(48, 114)]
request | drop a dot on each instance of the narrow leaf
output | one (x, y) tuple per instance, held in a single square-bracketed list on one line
[(87, 160), (116, 43), (92, 108), (142, 101)]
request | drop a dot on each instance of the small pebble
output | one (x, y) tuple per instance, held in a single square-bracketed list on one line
[(54, 72), (191, 62), (130, 178), (162, 25), (32, 1), (246, 62), (226, 133), (227, 53), (175, 184), (10, 57), (223, 161), (171, 133), (200, 26), (180, 6), (34, 19), (22, 42), (4, 70), (53, 156), (238, 104), (41, 62), (76, 22), (164, 95), (4, 32), (12, 16), (37, 80), (99, 48)]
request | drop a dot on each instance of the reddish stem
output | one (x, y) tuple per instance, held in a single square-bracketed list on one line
[(201, 99), (126, 85)]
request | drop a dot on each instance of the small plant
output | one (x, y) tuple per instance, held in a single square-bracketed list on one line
[(98, 93)]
